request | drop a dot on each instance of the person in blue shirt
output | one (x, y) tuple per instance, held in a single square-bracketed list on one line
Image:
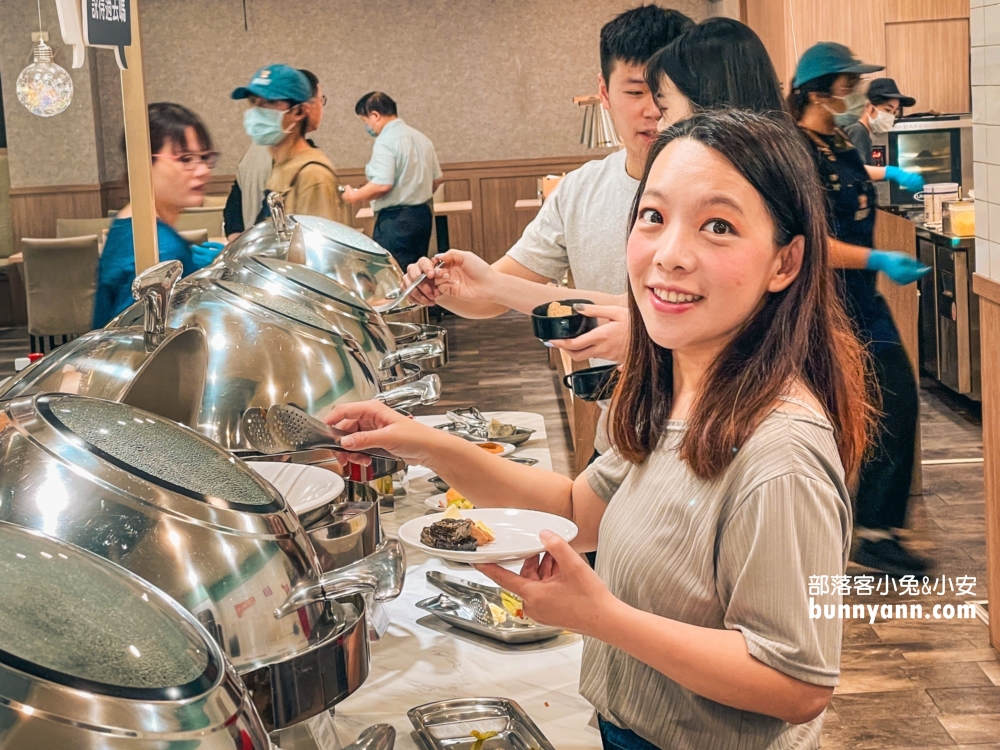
[(183, 160)]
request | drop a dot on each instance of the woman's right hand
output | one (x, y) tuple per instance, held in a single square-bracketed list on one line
[(372, 424), (462, 275)]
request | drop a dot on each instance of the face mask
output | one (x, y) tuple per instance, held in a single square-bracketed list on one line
[(883, 122), (370, 131), (854, 105), (264, 126)]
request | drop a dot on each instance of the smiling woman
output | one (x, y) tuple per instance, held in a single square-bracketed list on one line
[(740, 405)]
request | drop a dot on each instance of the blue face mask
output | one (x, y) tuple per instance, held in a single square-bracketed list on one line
[(264, 126), (370, 131)]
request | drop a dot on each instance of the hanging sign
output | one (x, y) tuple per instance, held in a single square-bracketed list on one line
[(108, 23)]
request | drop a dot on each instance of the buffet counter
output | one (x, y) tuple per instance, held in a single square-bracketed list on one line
[(421, 659)]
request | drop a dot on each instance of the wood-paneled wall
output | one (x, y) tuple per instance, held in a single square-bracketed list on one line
[(924, 44), (493, 187), (989, 337)]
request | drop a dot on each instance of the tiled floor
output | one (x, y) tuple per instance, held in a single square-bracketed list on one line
[(905, 684)]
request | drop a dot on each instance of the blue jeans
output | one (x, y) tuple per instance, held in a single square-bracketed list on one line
[(616, 738)]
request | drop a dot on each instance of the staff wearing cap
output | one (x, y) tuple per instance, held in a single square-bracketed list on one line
[(825, 99), (403, 174), (278, 117), (885, 104)]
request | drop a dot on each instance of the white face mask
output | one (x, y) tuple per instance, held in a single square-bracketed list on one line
[(882, 122)]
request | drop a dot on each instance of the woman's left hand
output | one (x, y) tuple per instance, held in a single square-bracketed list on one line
[(608, 341), (559, 589)]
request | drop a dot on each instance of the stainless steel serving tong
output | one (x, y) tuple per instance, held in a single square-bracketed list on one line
[(284, 428)]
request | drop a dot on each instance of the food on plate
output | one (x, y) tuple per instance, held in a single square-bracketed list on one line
[(497, 429), (482, 533), (559, 310), (450, 533), (453, 532), (493, 448), (454, 498)]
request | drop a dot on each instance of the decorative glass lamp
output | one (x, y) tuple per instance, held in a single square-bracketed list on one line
[(44, 88)]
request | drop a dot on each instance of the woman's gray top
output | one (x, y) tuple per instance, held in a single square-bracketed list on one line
[(736, 553)]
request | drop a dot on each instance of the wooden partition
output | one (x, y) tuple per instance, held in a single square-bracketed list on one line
[(924, 44), (893, 232), (989, 336)]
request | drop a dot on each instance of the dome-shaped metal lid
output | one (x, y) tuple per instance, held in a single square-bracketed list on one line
[(160, 451), (70, 617), (278, 305), (341, 234), (315, 282)]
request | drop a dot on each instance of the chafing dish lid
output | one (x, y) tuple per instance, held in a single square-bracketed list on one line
[(315, 281), (159, 451), (73, 618), (342, 234), (278, 305)]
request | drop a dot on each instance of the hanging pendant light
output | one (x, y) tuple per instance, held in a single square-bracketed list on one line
[(598, 128), (44, 88)]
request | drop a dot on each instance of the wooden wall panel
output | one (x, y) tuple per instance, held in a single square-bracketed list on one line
[(930, 62), (989, 336), (502, 225), (925, 10), (33, 211), (460, 233), (857, 23), (769, 18)]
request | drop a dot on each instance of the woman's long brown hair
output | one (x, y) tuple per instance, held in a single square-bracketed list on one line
[(801, 333)]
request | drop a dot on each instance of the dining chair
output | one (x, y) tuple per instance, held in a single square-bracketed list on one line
[(84, 228), (60, 280), (215, 201), (209, 218), (195, 236)]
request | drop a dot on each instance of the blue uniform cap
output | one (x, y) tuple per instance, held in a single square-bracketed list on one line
[(829, 57), (277, 83)]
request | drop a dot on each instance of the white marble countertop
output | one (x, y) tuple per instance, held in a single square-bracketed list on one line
[(421, 659)]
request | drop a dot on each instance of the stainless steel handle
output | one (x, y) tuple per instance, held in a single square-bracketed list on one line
[(962, 324), (276, 205), (153, 288), (414, 353), (381, 575), (421, 392), (378, 737)]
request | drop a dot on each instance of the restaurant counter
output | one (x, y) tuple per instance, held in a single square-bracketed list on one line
[(420, 659)]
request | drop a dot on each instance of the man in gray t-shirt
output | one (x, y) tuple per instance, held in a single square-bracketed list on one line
[(582, 227)]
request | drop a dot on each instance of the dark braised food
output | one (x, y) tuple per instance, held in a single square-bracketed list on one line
[(450, 533)]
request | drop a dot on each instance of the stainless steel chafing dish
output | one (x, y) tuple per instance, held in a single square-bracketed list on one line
[(247, 347), (94, 658), (344, 254), (174, 508)]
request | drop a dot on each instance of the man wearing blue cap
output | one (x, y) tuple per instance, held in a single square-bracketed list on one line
[(278, 118)]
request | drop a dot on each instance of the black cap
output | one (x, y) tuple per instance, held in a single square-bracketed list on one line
[(887, 89)]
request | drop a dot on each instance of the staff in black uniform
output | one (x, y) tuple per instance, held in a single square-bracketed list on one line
[(825, 99)]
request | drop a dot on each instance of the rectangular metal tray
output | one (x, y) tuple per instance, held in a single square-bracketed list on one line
[(448, 725), (506, 633)]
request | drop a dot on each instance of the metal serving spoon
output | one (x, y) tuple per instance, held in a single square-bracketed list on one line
[(406, 292)]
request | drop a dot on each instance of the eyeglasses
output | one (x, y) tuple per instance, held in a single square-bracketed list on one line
[(190, 161)]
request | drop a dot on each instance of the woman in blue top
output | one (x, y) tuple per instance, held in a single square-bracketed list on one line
[(183, 160)]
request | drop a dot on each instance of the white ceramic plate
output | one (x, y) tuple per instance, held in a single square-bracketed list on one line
[(304, 487), (516, 534)]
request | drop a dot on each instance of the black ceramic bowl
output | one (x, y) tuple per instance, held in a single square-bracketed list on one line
[(565, 327), (592, 383)]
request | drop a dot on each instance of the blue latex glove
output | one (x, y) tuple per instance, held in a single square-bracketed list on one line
[(900, 267), (205, 253), (908, 180)]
